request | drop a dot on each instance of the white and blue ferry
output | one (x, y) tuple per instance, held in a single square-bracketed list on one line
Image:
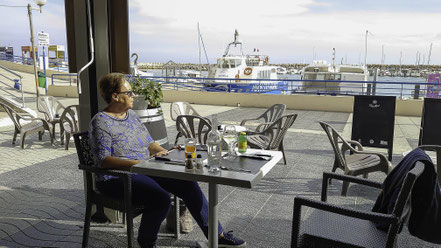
[(244, 73)]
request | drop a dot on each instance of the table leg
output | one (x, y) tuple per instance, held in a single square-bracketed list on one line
[(212, 215)]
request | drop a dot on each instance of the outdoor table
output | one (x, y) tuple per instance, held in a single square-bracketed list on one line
[(259, 168)]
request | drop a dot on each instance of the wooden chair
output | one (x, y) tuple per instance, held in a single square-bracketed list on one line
[(272, 136), (181, 108), (330, 225), (191, 126), (358, 161), (29, 125), (69, 123), (268, 117), (52, 110), (93, 196)]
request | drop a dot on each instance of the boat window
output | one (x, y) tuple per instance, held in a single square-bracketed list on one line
[(238, 62), (225, 64)]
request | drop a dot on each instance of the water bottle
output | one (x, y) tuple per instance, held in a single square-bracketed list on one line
[(214, 145)]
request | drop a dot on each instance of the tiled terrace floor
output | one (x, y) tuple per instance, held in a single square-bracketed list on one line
[(42, 199)]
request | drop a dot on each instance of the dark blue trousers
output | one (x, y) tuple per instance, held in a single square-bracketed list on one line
[(153, 194)]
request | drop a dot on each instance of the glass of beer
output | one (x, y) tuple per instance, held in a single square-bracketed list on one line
[(190, 147)]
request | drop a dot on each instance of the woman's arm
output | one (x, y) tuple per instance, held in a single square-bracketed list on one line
[(110, 162), (156, 150)]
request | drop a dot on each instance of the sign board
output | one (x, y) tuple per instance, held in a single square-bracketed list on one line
[(433, 87), (430, 122), (373, 121), (43, 39)]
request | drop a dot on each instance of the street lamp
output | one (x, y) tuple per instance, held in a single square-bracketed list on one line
[(40, 3)]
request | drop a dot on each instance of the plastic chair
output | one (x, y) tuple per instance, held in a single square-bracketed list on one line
[(181, 108), (269, 116), (29, 126), (358, 162), (330, 225), (93, 196), (191, 126), (272, 136), (69, 123), (52, 110)]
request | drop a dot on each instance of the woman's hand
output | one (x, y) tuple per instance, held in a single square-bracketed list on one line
[(161, 153)]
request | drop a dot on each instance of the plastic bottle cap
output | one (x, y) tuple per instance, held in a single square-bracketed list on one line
[(243, 133), (199, 156)]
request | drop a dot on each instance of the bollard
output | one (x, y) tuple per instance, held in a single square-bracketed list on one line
[(16, 84), (416, 93)]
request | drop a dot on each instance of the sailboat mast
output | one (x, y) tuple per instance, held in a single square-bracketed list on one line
[(365, 48), (430, 54)]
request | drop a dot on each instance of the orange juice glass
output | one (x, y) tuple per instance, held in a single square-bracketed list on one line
[(190, 147)]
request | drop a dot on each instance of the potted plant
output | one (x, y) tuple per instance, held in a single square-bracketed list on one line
[(147, 104), (149, 93)]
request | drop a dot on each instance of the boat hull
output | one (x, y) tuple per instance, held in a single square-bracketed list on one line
[(258, 87)]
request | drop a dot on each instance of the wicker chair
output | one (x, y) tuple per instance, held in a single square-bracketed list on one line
[(181, 108), (272, 136), (436, 149), (191, 126), (358, 162), (33, 125), (93, 196), (52, 110), (335, 226), (268, 117)]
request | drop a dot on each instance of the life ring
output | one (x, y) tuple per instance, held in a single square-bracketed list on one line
[(248, 71), (237, 78)]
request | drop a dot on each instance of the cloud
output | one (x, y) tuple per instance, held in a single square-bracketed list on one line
[(285, 30)]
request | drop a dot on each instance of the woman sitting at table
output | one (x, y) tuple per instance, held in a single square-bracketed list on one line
[(119, 140)]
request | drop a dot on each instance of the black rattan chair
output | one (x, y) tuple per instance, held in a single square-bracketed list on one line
[(93, 196), (335, 226)]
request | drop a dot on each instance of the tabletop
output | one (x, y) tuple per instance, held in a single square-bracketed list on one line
[(258, 167)]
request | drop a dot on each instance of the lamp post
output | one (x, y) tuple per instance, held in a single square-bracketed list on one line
[(40, 3)]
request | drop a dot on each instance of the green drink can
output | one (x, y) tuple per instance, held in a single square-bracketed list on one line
[(242, 142)]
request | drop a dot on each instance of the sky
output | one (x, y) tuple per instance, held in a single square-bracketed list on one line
[(288, 31)]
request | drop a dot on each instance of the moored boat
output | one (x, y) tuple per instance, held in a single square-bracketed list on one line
[(237, 72), (330, 78)]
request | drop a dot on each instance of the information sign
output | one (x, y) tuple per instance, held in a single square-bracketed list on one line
[(43, 39)]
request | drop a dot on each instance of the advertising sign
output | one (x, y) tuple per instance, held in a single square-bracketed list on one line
[(434, 87)]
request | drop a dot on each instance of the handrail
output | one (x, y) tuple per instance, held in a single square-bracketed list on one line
[(15, 81), (70, 75), (294, 86), (12, 72)]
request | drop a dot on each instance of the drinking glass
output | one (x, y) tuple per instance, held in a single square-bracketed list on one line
[(190, 147), (230, 137)]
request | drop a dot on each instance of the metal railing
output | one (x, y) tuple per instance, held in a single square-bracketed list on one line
[(18, 85), (64, 79), (55, 66), (403, 90)]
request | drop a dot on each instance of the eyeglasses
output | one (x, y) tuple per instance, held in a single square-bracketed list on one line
[(128, 93)]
